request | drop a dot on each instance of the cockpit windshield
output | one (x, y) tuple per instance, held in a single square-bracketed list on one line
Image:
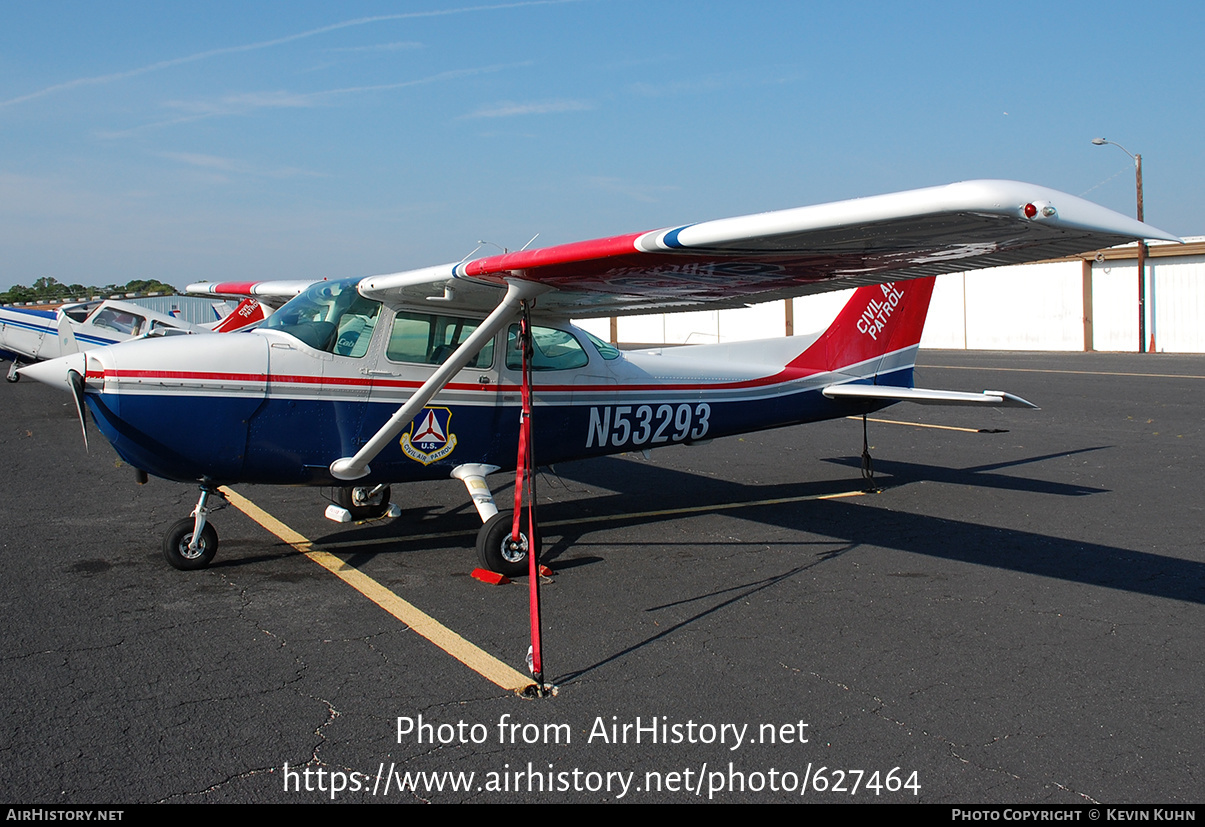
[(329, 316)]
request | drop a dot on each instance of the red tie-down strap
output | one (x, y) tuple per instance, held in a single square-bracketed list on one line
[(525, 484)]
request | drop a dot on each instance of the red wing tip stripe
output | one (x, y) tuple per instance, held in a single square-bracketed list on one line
[(601, 248), (238, 288)]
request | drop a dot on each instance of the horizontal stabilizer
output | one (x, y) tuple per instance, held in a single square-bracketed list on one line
[(925, 396)]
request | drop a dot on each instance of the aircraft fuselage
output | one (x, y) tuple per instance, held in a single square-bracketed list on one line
[(278, 404)]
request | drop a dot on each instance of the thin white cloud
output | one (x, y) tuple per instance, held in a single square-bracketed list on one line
[(214, 163), (401, 45), (97, 80), (198, 160), (248, 102), (451, 74), (509, 109), (244, 102)]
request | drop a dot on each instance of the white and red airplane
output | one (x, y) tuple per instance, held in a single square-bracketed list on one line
[(422, 374), (31, 335)]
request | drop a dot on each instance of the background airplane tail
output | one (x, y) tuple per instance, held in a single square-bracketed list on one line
[(882, 321), (248, 312)]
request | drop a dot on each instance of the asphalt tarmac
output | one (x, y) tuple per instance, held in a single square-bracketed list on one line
[(1013, 617)]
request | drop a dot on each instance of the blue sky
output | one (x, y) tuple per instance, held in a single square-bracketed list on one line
[(312, 139)]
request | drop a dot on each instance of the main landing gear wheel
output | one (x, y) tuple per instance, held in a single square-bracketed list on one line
[(362, 502), (12, 375), (498, 553), (176, 542)]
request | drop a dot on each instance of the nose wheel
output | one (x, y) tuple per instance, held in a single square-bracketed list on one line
[(191, 543), (182, 553)]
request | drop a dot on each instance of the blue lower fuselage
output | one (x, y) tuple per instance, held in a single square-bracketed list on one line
[(290, 441)]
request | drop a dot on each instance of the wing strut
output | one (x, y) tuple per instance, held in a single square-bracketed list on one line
[(355, 467)]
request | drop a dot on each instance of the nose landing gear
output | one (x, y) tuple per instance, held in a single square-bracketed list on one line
[(191, 543)]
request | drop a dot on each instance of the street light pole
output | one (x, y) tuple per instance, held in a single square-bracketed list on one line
[(1141, 244)]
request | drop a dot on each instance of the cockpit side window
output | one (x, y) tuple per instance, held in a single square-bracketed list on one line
[(552, 350), (330, 316), (113, 319)]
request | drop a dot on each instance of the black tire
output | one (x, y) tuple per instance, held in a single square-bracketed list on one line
[(492, 546), (354, 499), (175, 545), (11, 375)]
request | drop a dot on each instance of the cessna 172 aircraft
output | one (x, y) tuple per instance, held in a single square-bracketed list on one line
[(32, 335), (416, 375)]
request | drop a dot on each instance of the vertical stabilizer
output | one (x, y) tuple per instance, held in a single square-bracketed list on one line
[(247, 313), (877, 321)]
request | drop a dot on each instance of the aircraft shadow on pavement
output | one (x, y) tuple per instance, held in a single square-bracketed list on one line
[(578, 518), (979, 476), (638, 494), (856, 522), (851, 523)]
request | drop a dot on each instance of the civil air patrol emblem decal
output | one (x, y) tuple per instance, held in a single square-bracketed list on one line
[(429, 438)]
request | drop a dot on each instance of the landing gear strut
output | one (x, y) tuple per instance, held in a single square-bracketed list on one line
[(867, 462), (12, 375), (191, 543)]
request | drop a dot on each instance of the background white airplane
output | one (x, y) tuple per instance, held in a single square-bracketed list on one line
[(28, 335)]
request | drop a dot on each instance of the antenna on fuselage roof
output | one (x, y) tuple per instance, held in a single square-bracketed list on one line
[(528, 244)]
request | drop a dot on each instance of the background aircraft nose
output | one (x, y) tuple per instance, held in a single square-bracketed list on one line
[(55, 371)]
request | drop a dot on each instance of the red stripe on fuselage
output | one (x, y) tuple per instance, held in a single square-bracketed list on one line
[(786, 375)]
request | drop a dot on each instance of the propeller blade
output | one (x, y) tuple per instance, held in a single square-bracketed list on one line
[(77, 390)]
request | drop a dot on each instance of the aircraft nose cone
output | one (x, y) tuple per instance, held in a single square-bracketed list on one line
[(54, 372)]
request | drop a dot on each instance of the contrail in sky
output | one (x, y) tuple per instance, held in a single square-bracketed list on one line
[(250, 47)]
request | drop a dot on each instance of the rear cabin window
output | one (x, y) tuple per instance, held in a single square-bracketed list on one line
[(606, 350), (428, 339), (552, 350), (80, 311)]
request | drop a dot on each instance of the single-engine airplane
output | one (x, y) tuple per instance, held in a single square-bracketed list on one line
[(32, 335), (419, 375)]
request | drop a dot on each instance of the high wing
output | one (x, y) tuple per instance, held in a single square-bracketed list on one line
[(271, 293), (733, 262)]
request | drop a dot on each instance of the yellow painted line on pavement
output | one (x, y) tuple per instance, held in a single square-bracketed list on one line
[(469, 654)]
